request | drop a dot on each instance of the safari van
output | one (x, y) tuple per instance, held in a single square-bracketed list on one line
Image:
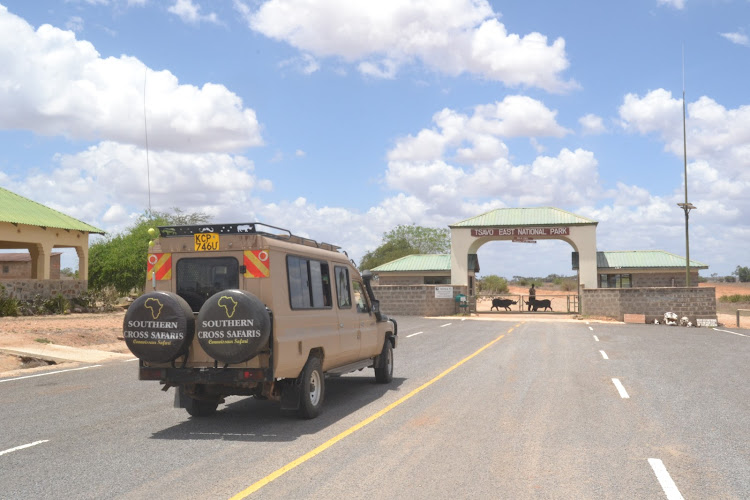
[(251, 309)]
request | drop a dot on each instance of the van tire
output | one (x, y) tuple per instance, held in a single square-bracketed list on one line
[(158, 327), (384, 366), (312, 389), (233, 306)]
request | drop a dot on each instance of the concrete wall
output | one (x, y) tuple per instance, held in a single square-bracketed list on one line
[(22, 269), (415, 300), (653, 302), (28, 289), (664, 279)]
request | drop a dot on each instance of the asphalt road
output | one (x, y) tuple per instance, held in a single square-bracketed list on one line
[(477, 409)]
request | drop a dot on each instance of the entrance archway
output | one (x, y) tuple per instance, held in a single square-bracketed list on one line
[(524, 224)]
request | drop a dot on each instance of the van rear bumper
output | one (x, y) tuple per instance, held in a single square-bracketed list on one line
[(226, 376)]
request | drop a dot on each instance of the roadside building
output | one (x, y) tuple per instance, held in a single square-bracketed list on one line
[(37, 230), (421, 269), (17, 265), (642, 269), (644, 282)]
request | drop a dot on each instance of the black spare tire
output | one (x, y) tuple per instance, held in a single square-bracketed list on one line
[(159, 327), (233, 326)]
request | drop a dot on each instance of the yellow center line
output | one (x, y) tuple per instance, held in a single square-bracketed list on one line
[(307, 456)]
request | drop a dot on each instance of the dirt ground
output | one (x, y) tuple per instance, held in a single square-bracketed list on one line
[(94, 331), (104, 331)]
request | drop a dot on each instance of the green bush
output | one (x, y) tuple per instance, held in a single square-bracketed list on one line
[(568, 285), (735, 298), (57, 304), (8, 305), (492, 284)]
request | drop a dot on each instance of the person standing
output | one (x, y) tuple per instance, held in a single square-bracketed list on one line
[(532, 297)]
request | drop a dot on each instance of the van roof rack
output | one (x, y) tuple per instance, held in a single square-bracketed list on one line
[(244, 228)]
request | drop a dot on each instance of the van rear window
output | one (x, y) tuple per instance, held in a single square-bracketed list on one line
[(309, 283), (198, 279)]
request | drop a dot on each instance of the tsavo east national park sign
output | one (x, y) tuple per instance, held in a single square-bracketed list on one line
[(521, 232)]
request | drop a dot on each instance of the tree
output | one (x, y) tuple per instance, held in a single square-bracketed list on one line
[(69, 272), (425, 240), (407, 240), (742, 273), (120, 260), (492, 284), (388, 251)]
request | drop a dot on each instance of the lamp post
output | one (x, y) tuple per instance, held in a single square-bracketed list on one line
[(687, 207)]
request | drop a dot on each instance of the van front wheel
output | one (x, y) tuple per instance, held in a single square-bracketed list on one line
[(312, 389), (384, 367)]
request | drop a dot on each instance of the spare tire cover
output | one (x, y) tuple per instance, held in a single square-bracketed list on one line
[(158, 327), (233, 326)]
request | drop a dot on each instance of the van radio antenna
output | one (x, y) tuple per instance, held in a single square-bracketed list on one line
[(145, 127)]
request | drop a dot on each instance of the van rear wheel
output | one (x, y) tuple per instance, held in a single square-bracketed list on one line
[(312, 389), (198, 407), (384, 367)]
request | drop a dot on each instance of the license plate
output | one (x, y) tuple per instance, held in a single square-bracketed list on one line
[(205, 242)]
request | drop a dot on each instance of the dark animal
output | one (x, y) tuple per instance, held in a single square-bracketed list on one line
[(546, 304), (498, 303)]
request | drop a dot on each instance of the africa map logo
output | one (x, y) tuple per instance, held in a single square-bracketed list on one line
[(155, 306), (228, 304)]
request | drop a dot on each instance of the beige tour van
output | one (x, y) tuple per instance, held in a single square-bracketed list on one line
[(251, 309)]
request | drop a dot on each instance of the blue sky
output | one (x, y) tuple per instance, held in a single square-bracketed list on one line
[(340, 120)]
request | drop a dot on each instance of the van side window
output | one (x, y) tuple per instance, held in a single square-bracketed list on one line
[(342, 287), (309, 283), (359, 297)]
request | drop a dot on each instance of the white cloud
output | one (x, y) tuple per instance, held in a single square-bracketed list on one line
[(464, 158), (190, 12), (477, 137), (677, 4), (718, 151), (738, 38), (75, 23), (305, 64), (592, 124), (53, 84), (454, 37), (107, 182)]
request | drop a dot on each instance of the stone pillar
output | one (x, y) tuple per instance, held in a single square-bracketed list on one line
[(83, 263), (40, 255)]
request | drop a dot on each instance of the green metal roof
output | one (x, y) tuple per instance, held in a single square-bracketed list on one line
[(642, 259), (19, 210), (424, 262), (541, 216), (419, 262)]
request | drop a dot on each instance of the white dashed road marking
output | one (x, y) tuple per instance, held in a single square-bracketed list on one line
[(665, 480), (733, 333), (604, 355), (413, 334), (620, 388), (49, 373), (23, 446)]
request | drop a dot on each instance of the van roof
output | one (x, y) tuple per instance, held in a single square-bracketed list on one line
[(243, 229)]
